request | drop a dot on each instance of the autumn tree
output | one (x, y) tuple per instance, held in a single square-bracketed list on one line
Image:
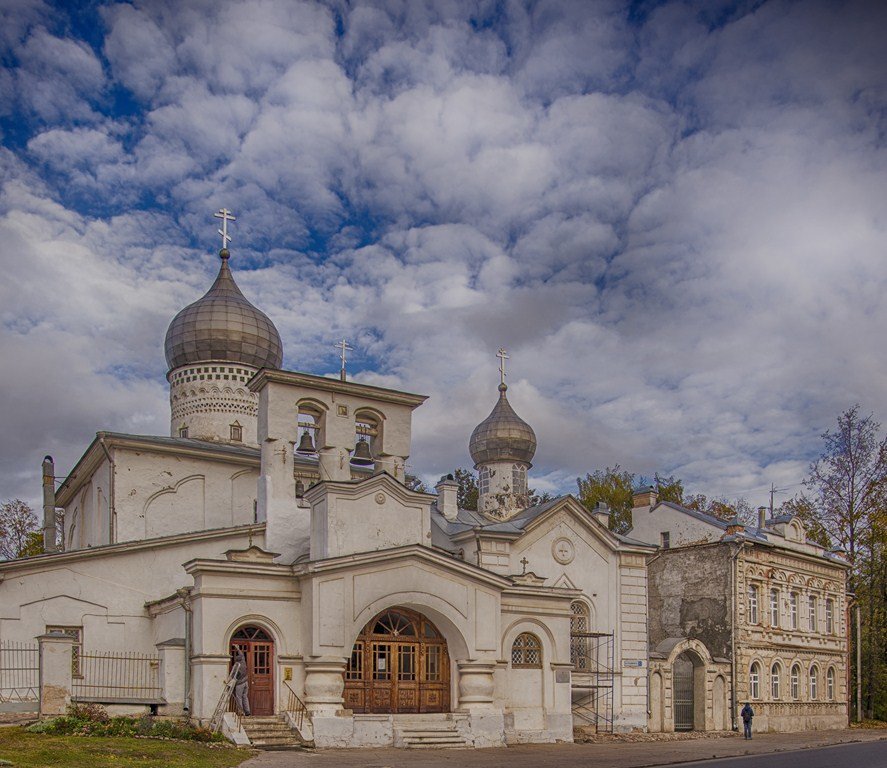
[(466, 496), (613, 486), (19, 530), (669, 489)]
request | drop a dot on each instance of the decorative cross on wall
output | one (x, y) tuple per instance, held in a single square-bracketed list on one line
[(225, 215), (524, 562), (503, 356)]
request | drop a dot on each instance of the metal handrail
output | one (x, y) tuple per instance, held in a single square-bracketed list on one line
[(296, 707)]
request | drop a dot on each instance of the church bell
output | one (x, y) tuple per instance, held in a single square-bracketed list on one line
[(362, 456), (306, 443)]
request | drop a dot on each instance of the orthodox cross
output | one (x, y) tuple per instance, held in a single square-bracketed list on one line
[(225, 215), (503, 356), (524, 562), (343, 346)]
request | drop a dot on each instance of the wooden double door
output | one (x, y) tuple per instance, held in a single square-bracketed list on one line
[(399, 664), (258, 648)]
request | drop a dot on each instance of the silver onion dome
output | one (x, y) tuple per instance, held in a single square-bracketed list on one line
[(223, 325), (502, 436)]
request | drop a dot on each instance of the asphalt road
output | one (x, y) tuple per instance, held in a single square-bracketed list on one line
[(873, 755)]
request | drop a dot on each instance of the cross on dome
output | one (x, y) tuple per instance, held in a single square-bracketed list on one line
[(503, 356), (225, 215)]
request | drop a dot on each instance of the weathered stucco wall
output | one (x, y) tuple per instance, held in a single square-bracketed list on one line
[(690, 596)]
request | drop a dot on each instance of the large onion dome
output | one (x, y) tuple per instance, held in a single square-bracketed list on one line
[(223, 325), (502, 436)]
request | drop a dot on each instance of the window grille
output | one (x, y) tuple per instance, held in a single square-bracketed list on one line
[(526, 652), (76, 650), (579, 635)]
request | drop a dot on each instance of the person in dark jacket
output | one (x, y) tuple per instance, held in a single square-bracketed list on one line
[(747, 714), (241, 682)]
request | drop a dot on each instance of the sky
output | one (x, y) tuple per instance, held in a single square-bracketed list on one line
[(671, 214)]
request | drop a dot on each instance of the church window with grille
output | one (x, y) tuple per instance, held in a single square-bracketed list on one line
[(579, 635), (526, 652)]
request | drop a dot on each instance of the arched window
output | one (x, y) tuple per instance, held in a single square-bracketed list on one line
[(579, 635), (775, 675), (774, 607), (829, 616), (814, 683), (795, 681), (830, 684), (519, 479), (483, 481), (754, 681), (752, 603), (236, 432), (526, 652)]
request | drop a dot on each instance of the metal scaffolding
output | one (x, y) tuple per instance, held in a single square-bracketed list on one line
[(592, 680)]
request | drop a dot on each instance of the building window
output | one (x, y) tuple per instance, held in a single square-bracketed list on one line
[(519, 480), (795, 681), (775, 674), (793, 609), (666, 540), (753, 604), (183, 431), (236, 433), (829, 616), (76, 649), (811, 613), (754, 681), (483, 481), (830, 684), (814, 683), (579, 635), (774, 607), (526, 652)]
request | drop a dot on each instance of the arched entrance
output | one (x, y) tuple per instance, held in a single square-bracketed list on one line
[(258, 648), (399, 663), (682, 696)]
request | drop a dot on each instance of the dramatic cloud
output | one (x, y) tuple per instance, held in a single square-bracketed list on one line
[(671, 214)]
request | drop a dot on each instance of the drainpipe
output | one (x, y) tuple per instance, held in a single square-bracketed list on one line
[(734, 577), (49, 533), (649, 666), (112, 507), (858, 666), (186, 605)]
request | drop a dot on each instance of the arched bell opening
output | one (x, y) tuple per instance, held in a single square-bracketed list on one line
[(400, 663), (367, 438), (258, 649), (310, 423)]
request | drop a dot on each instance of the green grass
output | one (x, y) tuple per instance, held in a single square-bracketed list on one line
[(38, 750)]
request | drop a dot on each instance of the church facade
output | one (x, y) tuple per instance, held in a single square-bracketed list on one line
[(274, 518)]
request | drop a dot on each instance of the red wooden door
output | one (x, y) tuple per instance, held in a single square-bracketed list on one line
[(258, 648)]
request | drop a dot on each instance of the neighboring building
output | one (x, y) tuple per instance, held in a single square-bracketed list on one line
[(742, 614), (275, 519)]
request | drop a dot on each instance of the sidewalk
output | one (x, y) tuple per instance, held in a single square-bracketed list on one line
[(611, 755)]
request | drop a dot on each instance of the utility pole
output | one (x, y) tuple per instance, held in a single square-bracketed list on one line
[(772, 494)]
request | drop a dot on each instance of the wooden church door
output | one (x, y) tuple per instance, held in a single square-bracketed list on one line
[(258, 648)]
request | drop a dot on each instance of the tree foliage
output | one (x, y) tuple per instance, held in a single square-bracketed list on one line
[(466, 496), (669, 489), (613, 486), (19, 530)]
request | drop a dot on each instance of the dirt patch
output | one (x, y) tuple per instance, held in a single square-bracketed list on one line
[(582, 736)]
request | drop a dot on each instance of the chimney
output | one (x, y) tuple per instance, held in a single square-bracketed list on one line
[(447, 491), (734, 527), (762, 517), (601, 513), (49, 535), (645, 497)]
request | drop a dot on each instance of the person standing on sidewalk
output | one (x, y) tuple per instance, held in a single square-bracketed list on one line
[(747, 714)]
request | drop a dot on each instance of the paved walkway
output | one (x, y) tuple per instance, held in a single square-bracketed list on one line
[(612, 755)]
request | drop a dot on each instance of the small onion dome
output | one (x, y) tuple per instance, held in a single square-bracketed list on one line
[(224, 326), (502, 436)]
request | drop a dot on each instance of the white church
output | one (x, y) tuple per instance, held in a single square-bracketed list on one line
[(274, 518)]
